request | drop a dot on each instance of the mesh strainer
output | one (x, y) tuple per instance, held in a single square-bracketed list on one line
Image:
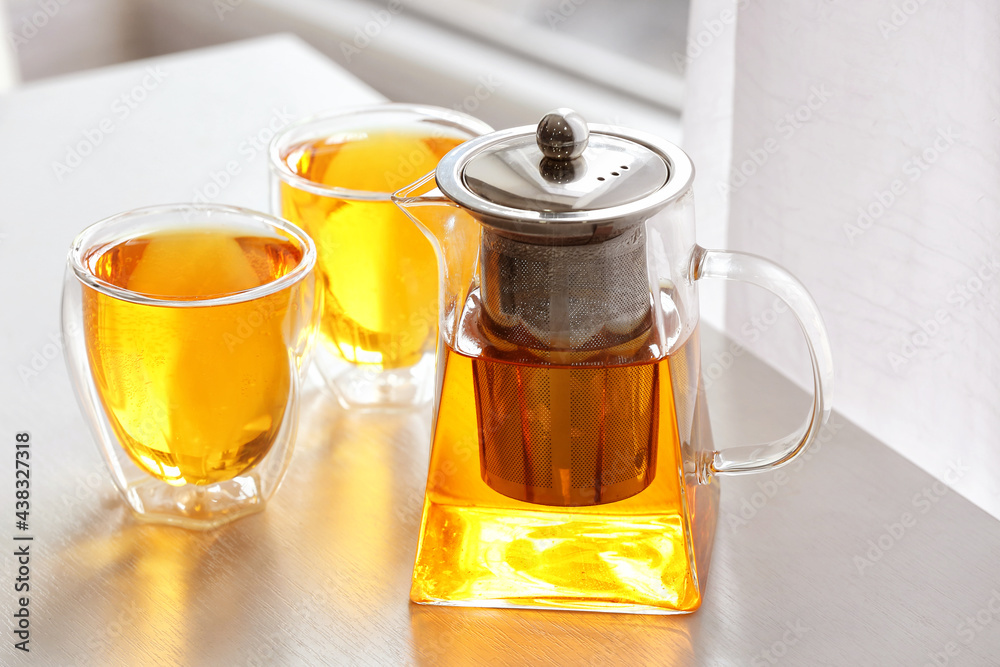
[(565, 297)]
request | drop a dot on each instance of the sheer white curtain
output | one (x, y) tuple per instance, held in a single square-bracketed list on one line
[(858, 145)]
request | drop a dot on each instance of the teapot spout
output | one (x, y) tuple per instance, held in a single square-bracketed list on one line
[(427, 207), (454, 234)]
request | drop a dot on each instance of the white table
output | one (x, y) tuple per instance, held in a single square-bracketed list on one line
[(321, 577)]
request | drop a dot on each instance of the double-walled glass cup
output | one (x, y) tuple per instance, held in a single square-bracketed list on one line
[(333, 175), (188, 329)]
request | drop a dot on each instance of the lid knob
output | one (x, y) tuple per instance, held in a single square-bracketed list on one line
[(562, 134)]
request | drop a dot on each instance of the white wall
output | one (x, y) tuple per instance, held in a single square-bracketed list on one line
[(891, 110), (708, 130), (9, 74)]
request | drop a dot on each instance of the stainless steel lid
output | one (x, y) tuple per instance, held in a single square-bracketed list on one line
[(573, 179)]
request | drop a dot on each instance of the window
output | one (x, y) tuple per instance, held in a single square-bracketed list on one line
[(626, 45)]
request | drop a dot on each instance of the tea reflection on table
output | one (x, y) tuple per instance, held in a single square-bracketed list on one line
[(161, 583), (361, 475), (466, 636)]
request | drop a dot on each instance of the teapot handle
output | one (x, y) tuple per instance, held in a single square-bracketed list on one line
[(764, 273)]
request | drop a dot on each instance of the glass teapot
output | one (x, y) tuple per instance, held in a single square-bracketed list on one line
[(572, 463)]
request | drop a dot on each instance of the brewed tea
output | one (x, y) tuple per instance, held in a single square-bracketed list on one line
[(377, 271), (194, 394)]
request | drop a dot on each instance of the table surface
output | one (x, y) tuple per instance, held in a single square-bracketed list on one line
[(811, 567)]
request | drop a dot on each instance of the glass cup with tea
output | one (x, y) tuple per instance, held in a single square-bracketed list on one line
[(188, 329), (333, 175)]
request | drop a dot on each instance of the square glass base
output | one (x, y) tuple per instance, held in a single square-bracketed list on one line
[(491, 557)]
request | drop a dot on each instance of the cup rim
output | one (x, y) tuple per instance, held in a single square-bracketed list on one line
[(439, 115), (85, 243)]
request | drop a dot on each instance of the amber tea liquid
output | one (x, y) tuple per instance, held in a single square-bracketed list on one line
[(536, 532), (377, 271), (195, 395)]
